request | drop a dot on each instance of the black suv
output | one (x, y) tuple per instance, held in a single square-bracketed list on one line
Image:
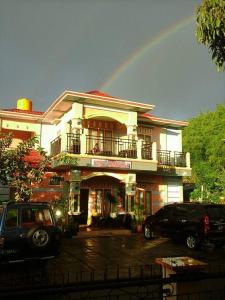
[(28, 231), (195, 223)]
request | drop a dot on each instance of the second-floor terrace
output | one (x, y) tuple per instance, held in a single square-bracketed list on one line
[(123, 148)]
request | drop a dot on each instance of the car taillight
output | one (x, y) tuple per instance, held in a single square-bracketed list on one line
[(206, 224)]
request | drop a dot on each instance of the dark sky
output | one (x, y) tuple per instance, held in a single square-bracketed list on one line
[(136, 50)]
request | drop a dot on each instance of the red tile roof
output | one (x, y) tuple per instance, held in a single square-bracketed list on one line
[(162, 120), (99, 93)]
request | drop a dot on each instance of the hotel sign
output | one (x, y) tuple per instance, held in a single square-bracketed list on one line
[(106, 163)]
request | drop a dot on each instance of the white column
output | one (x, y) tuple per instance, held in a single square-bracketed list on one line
[(154, 151), (188, 160), (139, 145)]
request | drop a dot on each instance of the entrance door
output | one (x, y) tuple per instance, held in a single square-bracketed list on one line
[(103, 201), (84, 205), (106, 202)]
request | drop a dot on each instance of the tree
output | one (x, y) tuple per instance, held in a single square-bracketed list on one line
[(204, 138), (18, 172), (210, 29)]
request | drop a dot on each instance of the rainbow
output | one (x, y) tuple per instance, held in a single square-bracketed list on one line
[(135, 56)]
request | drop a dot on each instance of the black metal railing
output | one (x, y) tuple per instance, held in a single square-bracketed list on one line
[(171, 158), (73, 143), (146, 150), (56, 146), (105, 146), (119, 283), (117, 147), (180, 159)]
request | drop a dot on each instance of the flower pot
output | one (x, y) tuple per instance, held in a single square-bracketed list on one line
[(139, 228)]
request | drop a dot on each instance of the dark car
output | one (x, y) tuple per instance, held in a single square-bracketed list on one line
[(28, 231), (195, 223)]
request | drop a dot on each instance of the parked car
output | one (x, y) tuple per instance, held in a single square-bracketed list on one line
[(28, 231), (195, 223)]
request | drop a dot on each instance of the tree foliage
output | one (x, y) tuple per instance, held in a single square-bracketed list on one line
[(204, 138), (18, 172), (210, 29)]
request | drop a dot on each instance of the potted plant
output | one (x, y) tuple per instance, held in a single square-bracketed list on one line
[(138, 217)]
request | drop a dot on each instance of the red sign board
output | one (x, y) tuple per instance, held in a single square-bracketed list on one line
[(105, 163)]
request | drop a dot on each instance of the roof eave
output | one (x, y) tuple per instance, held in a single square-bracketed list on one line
[(162, 121), (20, 115), (70, 96)]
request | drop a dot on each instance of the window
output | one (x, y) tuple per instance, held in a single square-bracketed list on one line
[(47, 217), (32, 216), (146, 138), (215, 212), (164, 212), (181, 211), (11, 218), (55, 180), (100, 141), (27, 217)]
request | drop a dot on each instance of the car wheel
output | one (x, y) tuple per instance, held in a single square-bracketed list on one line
[(192, 241), (38, 238), (148, 232)]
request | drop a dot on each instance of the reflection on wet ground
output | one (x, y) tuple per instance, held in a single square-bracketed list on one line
[(105, 256)]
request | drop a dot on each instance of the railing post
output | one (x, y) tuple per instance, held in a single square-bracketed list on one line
[(83, 144), (154, 151), (188, 160), (139, 148)]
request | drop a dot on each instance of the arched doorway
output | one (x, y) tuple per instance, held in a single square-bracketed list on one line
[(101, 195)]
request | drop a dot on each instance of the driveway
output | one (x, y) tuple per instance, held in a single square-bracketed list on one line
[(100, 259), (134, 250)]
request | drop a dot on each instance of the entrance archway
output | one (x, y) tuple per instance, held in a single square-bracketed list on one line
[(106, 195)]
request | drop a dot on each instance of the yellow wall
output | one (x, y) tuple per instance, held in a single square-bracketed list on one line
[(23, 126), (122, 117)]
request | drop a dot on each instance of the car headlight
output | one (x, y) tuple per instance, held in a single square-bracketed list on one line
[(58, 213)]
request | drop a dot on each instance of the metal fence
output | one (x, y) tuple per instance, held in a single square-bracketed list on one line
[(132, 282)]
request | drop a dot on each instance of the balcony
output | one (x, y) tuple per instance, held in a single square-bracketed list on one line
[(91, 145), (116, 147), (171, 158)]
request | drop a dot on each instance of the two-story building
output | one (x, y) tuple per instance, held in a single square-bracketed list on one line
[(110, 153)]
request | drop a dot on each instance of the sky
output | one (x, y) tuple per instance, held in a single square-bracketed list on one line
[(143, 51)]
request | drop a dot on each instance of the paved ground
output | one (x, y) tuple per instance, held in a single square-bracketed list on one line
[(112, 253), (96, 253), (87, 259)]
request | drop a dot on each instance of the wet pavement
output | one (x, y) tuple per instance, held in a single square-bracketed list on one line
[(100, 260), (96, 256), (95, 253)]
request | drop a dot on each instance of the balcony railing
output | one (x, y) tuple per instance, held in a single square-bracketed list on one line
[(56, 146), (111, 147), (146, 150), (117, 147), (73, 143), (171, 158)]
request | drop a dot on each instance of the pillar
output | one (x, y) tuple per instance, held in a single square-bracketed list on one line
[(74, 192), (130, 191)]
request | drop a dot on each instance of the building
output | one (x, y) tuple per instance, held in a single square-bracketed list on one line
[(108, 154), (23, 123)]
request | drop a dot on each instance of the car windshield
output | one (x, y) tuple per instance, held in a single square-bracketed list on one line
[(216, 212)]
